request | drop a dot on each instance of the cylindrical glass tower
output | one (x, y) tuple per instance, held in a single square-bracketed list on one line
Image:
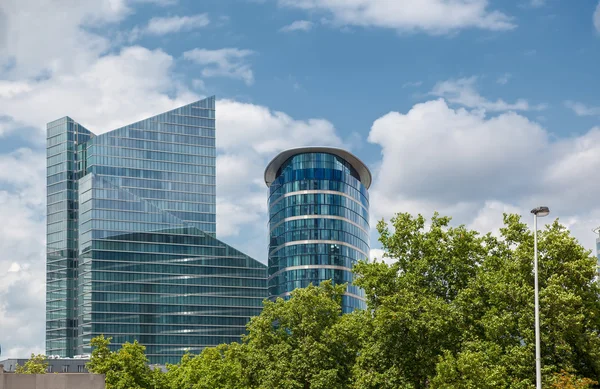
[(318, 220)]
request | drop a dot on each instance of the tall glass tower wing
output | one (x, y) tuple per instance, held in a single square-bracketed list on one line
[(318, 220), (63, 166), (147, 264)]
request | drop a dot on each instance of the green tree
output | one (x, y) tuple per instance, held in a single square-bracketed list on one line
[(37, 364), (126, 368), (414, 319), (455, 310), (302, 343), (215, 368)]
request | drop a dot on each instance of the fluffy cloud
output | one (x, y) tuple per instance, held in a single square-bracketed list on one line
[(248, 137), (162, 26), (168, 25), (582, 109), (298, 25), (474, 167), (22, 248), (431, 16), (463, 92), (228, 62)]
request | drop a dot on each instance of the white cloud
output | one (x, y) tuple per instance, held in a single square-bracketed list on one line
[(228, 62), (462, 91), (249, 136), (473, 167), (141, 79), (582, 109), (597, 17), (298, 25), (431, 16), (64, 44), (22, 247), (167, 25)]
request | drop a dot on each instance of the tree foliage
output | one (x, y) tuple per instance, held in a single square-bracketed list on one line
[(453, 310), (37, 364), (126, 368)]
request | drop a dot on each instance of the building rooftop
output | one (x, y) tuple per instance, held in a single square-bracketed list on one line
[(362, 169)]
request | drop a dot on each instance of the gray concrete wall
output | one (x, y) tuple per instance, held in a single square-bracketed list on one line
[(51, 381)]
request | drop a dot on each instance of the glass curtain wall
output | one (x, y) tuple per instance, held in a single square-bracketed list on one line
[(318, 225)]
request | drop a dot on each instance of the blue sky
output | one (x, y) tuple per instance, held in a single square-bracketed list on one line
[(468, 107)]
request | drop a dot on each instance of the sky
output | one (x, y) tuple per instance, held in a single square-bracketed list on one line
[(470, 108)]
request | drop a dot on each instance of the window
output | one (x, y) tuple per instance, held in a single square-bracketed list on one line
[(65, 368), (80, 369)]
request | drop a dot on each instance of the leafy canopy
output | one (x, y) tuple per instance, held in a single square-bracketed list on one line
[(37, 364)]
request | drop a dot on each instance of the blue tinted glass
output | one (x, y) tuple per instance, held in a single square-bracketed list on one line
[(132, 252), (318, 225)]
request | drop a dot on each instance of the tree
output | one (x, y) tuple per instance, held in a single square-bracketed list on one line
[(414, 319), (215, 368), (566, 380), (126, 368), (455, 310), (37, 364), (303, 343)]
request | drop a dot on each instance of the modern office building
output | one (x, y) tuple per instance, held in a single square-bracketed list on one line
[(318, 220), (131, 246)]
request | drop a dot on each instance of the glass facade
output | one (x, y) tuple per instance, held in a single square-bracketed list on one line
[(132, 251), (318, 221)]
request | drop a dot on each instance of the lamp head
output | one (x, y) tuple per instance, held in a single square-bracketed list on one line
[(541, 211)]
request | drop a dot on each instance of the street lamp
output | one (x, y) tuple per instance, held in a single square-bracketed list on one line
[(537, 212)]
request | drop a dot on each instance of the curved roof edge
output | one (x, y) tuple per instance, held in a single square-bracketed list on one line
[(362, 169)]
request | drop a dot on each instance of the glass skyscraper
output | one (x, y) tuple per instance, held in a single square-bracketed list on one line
[(131, 245), (318, 220)]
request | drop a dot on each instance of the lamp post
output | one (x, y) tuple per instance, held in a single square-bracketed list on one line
[(537, 212)]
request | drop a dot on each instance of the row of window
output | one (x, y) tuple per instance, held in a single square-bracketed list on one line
[(316, 249), (124, 182), (143, 164), (58, 158), (147, 129), (208, 196), (153, 174), (174, 299), (188, 279), (148, 206), (192, 310), (310, 176), (305, 260), (318, 198), (179, 269), (57, 168), (317, 161), (170, 152), (148, 217), (171, 117), (362, 219), (337, 186), (174, 319), (166, 330), (59, 149), (301, 235), (186, 290), (179, 239), (317, 223)]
